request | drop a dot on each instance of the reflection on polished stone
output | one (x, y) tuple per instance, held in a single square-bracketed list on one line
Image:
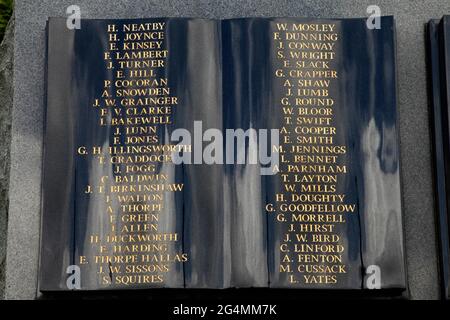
[(438, 69), (303, 192)]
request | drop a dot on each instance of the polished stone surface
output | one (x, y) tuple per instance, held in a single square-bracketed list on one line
[(219, 214), (438, 53), (26, 153)]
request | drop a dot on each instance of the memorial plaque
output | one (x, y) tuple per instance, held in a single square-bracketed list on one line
[(192, 153), (438, 66)]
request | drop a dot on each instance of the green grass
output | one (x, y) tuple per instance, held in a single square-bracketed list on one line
[(6, 8)]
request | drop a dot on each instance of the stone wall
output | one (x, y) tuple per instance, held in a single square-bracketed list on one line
[(27, 127)]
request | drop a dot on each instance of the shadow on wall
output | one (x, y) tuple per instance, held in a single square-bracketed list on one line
[(6, 97)]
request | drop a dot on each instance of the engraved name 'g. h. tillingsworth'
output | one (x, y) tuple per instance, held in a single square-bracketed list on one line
[(240, 146)]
